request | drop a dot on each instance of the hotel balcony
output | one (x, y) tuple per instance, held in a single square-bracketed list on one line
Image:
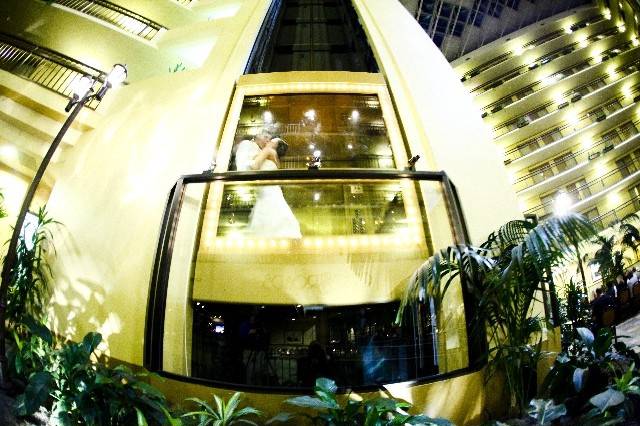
[(118, 16)]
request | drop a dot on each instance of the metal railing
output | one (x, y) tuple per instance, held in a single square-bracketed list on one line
[(184, 2), (601, 183), (566, 73), (543, 60), (614, 215), (534, 43), (606, 144), (44, 67), (586, 115), (122, 18)]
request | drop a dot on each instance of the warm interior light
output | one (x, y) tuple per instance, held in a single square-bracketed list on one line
[(635, 41), (117, 75), (8, 152), (82, 85), (582, 41), (586, 143), (562, 204), (355, 115), (519, 50), (317, 153), (558, 98), (310, 115), (622, 28), (614, 199), (568, 30), (267, 117)]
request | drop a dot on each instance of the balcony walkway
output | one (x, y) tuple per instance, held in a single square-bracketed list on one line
[(631, 329)]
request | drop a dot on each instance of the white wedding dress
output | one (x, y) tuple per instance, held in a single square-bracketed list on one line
[(271, 216)]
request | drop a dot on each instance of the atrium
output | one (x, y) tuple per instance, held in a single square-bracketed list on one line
[(250, 195)]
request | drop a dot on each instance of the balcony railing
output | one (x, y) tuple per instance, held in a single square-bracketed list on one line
[(594, 151), (534, 43), (296, 242), (45, 67), (118, 16), (601, 183), (607, 107), (541, 61), (184, 2), (616, 214), (584, 66)]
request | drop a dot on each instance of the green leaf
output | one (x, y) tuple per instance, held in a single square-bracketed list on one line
[(586, 335), (312, 402), (578, 378), (606, 399), (38, 329), (142, 420), (281, 418), (91, 342), (326, 385), (35, 394)]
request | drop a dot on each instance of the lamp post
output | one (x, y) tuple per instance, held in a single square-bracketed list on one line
[(83, 93)]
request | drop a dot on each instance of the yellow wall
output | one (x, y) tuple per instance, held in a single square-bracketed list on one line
[(461, 399), (111, 193)]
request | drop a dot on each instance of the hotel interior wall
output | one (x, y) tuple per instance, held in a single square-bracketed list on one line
[(111, 189), (606, 194)]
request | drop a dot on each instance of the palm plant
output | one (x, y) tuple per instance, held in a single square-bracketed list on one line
[(629, 233), (608, 258), (29, 284), (503, 276), (224, 414)]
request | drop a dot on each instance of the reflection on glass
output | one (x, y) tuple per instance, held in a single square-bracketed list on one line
[(357, 208), (342, 130), (286, 345)]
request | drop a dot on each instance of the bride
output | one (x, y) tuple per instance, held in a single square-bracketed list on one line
[(271, 215)]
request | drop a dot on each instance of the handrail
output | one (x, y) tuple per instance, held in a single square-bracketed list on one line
[(45, 67), (587, 185), (155, 320), (527, 67), (503, 57), (584, 115), (575, 155), (614, 212), (116, 15)]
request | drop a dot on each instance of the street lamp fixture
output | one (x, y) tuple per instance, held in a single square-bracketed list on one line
[(82, 94)]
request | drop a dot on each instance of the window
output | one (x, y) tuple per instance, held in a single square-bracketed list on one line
[(343, 130), (541, 172), (628, 129), (626, 165), (289, 345), (564, 162), (612, 137), (578, 189)]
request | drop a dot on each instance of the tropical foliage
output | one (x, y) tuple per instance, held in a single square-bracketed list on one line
[(354, 412), (80, 391), (29, 286), (610, 256), (224, 413), (595, 379), (503, 277)]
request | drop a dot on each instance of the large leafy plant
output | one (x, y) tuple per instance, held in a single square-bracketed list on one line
[(590, 367), (503, 277), (224, 413), (354, 412), (29, 285), (80, 391)]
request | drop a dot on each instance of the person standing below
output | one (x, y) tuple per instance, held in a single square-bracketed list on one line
[(271, 216)]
